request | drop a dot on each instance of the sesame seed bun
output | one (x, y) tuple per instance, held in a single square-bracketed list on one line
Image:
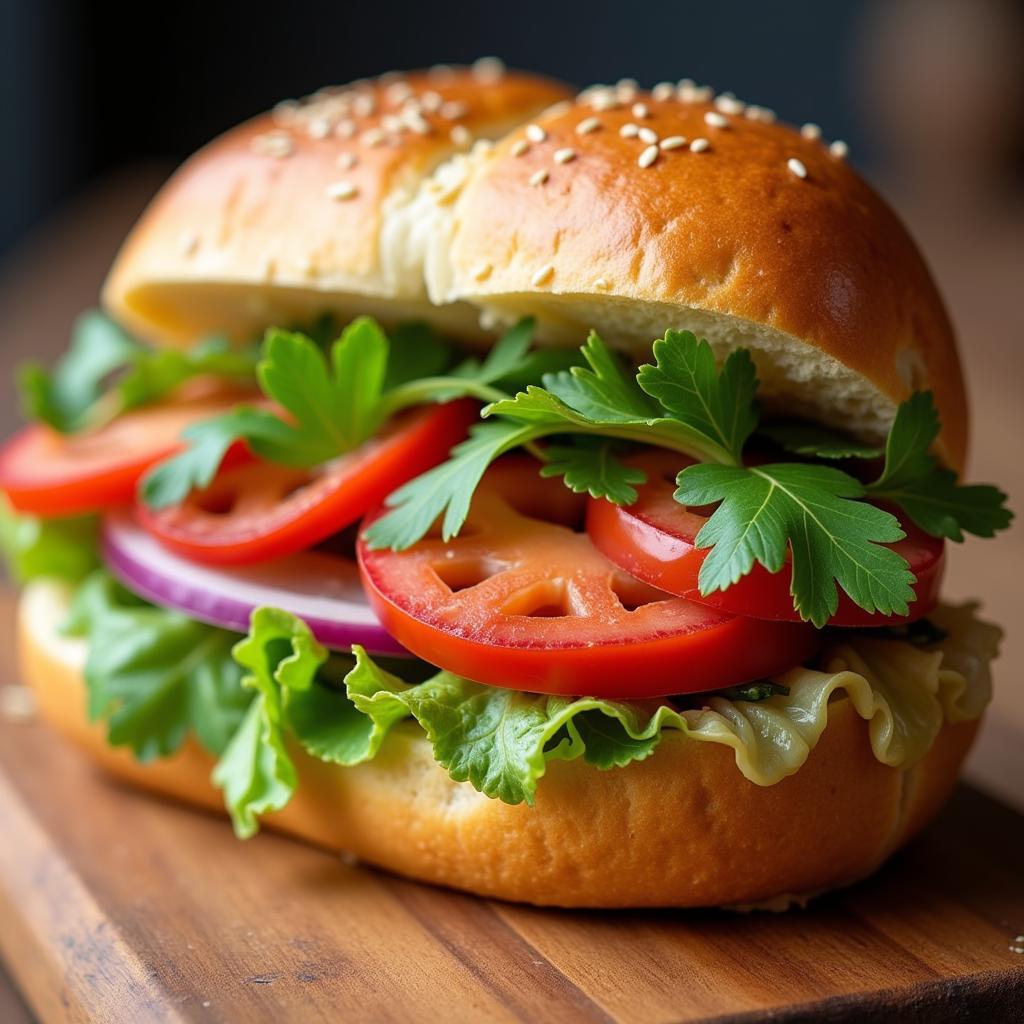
[(749, 232), (683, 828), (309, 208)]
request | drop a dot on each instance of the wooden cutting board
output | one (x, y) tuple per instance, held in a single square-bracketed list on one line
[(115, 906)]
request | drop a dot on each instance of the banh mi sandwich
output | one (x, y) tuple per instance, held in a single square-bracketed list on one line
[(539, 494)]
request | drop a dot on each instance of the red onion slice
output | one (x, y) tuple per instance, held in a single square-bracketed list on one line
[(321, 588)]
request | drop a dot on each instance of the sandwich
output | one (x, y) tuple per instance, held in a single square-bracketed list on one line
[(540, 494)]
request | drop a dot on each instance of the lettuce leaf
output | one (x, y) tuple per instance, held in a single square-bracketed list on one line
[(64, 549), (153, 675), (501, 741)]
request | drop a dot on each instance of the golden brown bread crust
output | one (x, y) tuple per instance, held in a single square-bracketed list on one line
[(683, 828), (730, 232), (280, 215)]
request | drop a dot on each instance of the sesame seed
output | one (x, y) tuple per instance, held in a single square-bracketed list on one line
[(399, 92), (364, 105), (648, 156), (728, 104), (346, 161), (716, 120), (346, 129), (441, 72), (663, 91), (278, 144), (700, 146), (453, 110), (431, 101), (481, 146), (629, 130), (673, 142), (767, 115), (627, 83), (460, 135), (797, 167), (639, 110), (557, 109), (372, 137), (488, 69), (605, 100), (702, 93), (519, 147), (753, 112), (319, 128), (391, 123), (411, 106), (482, 272), (839, 149), (647, 135), (602, 284), (417, 123), (535, 133), (188, 242), (285, 110), (539, 177), (564, 156), (810, 131), (588, 125), (341, 190), (686, 83), (543, 275)]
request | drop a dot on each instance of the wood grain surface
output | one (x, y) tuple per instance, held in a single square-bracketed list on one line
[(115, 906)]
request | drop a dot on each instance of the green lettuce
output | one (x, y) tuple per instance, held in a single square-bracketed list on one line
[(341, 709), (153, 675), (64, 549)]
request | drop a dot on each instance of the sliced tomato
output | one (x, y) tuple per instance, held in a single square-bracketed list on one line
[(263, 510), (655, 540), (50, 474), (520, 599)]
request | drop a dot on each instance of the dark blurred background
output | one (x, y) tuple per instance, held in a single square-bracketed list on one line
[(99, 101)]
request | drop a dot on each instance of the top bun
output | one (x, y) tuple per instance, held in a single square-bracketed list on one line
[(626, 212), (307, 208), (612, 215)]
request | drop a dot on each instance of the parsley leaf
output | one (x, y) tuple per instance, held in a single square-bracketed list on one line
[(602, 399), (106, 372), (446, 489), (813, 440), (810, 512), (590, 466), (716, 404), (929, 494)]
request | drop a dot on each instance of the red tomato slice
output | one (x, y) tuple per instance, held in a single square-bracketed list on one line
[(521, 600), (49, 474), (263, 510), (654, 539)]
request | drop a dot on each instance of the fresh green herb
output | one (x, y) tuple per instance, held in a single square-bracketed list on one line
[(446, 489), (64, 549), (808, 513), (590, 466), (759, 690), (154, 675), (812, 514), (106, 372), (716, 404), (332, 406), (929, 494), (820, 442)]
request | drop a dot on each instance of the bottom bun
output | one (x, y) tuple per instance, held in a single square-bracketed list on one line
[(681, 829)]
